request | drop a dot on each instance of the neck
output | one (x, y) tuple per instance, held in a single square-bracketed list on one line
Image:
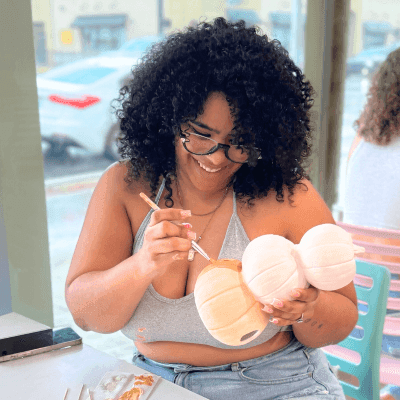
[(199, 201)]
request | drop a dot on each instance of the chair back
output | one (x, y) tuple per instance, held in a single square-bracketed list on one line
[(360, 357), (382, 246)]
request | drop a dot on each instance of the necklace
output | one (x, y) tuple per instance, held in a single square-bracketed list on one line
[(201, 215), (192, 251)]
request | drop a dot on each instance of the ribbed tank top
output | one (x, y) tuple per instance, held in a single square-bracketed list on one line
[(373, 186), (158, 318)]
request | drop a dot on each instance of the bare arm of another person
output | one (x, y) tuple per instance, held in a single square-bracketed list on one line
[(329, 316), (106, 282)]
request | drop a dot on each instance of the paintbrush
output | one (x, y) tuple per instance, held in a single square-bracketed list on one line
[(155, 207)]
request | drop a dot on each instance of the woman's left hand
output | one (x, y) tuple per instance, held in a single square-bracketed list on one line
[(286, 312)]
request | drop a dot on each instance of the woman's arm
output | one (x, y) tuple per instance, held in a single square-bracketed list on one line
[(334, 316), (105, 282), (329, 316)]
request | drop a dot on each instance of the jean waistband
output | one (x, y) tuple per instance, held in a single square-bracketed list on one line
[(293, 345)]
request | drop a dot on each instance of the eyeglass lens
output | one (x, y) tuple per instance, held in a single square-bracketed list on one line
[(202, 145)]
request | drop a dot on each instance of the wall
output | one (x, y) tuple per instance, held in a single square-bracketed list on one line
[(22, 195)]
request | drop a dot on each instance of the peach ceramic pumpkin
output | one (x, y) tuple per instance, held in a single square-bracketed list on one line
[(226, 306)]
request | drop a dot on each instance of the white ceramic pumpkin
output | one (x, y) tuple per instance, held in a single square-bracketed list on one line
[(273, 266), (326, 256), (270, 268), (226, 306)]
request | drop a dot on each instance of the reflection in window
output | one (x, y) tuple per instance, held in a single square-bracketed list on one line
[(101, 32), (376, 33)]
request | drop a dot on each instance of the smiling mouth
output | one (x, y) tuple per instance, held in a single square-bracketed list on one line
[(208, 169)]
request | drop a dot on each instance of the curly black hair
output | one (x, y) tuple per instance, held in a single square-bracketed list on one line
[(268, 96)]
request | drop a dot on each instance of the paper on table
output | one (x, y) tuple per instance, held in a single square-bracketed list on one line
[(114, 384)]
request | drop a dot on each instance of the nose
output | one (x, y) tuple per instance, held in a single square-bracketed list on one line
[(217, 158)]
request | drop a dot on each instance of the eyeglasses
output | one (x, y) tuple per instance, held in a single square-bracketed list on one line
[(201, 145)]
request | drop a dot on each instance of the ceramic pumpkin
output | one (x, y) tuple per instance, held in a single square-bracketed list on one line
[(270, 268), (226, 306), (228, 293), (273, 265), (326, 256)]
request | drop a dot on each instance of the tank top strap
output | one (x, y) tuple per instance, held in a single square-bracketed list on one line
[(160, 191), (234, 212), (138, 242)]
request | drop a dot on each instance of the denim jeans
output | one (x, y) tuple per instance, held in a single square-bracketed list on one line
[(293, 372)]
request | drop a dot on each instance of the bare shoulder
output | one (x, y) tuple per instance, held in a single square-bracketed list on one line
[(307, 209), (116, 179), (125, 190), (108, 230), (290, 217)]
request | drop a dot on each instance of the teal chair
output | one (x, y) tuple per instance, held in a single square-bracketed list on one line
[(361, 357)]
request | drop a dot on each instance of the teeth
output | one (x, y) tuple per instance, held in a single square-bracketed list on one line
[(208, 169)]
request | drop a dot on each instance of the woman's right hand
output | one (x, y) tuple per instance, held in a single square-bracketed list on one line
[(166, 240)]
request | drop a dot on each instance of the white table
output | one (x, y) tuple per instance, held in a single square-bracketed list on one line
[(47, 376)]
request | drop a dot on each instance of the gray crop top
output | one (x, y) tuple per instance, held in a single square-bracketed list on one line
[(158, 318)]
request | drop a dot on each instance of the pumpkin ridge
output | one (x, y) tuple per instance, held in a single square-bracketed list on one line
[(232, 322), (224, 291), (218, 293), (328, 266), (322, 245), (278, 288), (254, 277)]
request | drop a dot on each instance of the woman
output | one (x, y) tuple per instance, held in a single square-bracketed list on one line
[(373, 178), (215, 128)]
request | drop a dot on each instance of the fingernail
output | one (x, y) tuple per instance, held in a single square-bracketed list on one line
[(268, 310), (177, 257), (187, 225), (186, 213), (277, 303), (274, 320), (191, 235), (295, 294)]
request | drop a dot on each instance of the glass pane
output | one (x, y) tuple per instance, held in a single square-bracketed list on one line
[(84, 53), (374, 33), (83, 76)]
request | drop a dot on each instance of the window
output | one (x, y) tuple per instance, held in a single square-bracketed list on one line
[(101, 33), (101, 43), (373, 35)]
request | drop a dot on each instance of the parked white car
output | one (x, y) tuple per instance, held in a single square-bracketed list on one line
[(75, 100), (75, 103)]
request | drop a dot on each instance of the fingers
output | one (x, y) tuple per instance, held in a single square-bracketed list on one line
[(307, 295), (166, 229), (286, 312), (169, 214), (282, 316), (170, 245)]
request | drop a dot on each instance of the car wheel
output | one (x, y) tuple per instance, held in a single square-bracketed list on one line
[(111, 145)]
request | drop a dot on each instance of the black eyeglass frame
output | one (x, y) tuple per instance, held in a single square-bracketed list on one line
[(218, 146)]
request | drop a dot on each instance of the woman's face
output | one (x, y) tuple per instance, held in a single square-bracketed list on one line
[(213, 171)]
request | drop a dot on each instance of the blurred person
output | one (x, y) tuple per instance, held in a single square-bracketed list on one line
[(372, 196), (215, 127)]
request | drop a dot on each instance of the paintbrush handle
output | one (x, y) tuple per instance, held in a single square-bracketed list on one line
[(195, 246)]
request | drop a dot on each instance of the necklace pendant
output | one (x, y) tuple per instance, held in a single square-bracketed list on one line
[(191, 255)]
